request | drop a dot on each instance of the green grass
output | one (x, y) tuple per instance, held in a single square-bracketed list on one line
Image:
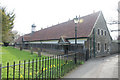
[(10, 54)]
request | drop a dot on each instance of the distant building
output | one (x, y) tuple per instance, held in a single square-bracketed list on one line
[(92, 35)]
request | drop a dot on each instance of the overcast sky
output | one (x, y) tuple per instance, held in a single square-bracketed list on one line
[(45, 13)]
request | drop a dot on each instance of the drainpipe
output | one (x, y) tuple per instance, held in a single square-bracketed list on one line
[(90, 48), (94, 42)]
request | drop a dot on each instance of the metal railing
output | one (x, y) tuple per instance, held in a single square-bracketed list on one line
[(42, 68)]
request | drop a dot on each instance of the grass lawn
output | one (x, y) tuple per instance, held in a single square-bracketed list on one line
[(10, 54)]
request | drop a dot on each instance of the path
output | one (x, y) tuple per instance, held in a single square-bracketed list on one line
[(104, 67)]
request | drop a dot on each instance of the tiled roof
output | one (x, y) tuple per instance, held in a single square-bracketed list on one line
[(65, 29)]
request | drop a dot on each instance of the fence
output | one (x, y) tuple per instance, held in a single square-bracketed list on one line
[(42, 68), (57, 47)]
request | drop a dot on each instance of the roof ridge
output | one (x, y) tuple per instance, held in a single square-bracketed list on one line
[(91, 14)]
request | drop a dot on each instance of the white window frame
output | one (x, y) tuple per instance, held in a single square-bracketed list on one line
[(105, 32), (99, 47), (99, 31), (106, 47)]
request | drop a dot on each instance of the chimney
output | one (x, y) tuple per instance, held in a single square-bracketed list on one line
[(33, 28)]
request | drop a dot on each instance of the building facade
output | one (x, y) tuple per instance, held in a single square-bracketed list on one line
[(92, 35), (99, 41)]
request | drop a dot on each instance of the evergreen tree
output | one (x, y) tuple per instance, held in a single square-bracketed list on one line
[(7, 25)]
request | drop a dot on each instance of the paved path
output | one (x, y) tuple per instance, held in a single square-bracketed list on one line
[(104, 67)]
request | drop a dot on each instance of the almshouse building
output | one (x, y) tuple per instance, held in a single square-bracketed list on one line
[(92, 35)]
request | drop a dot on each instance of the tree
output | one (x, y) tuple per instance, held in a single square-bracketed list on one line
[(14, 36), (7, 25)]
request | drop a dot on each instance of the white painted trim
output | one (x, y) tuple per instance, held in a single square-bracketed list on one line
[(72, 41), (63, 39), (104, 33), (45, 42), (95, 24), (101, 32), (79, 41), (107, 28)]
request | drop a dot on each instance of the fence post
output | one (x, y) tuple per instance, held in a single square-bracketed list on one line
[(45, 68), (0, 71), (50, 68), (42, 67), (55, 65), (28, 68), (32, 69), (39, 67), (59, 66), (63, 65), (19, 70), (13, 70), (36, 69), (39, 52), (75, 59), (52, 65), (24, 69), (7, 70), (31, 50)]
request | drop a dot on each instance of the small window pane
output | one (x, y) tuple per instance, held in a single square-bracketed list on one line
[(98, 31), (101, 32), (98, 46), (105, 46), (105, 33)]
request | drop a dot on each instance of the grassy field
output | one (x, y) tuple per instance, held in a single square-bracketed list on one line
[(10, 54)]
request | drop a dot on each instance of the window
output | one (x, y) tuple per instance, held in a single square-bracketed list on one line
[(105, 46), (105, 33), (98, 46), (98, 31), (101, 32)]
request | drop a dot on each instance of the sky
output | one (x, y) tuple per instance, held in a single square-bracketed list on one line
[(45, 13)]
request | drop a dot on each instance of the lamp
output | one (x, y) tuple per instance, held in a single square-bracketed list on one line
[(76, 20)]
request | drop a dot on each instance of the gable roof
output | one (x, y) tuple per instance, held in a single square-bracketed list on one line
[(63, 41), (65, 29)]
